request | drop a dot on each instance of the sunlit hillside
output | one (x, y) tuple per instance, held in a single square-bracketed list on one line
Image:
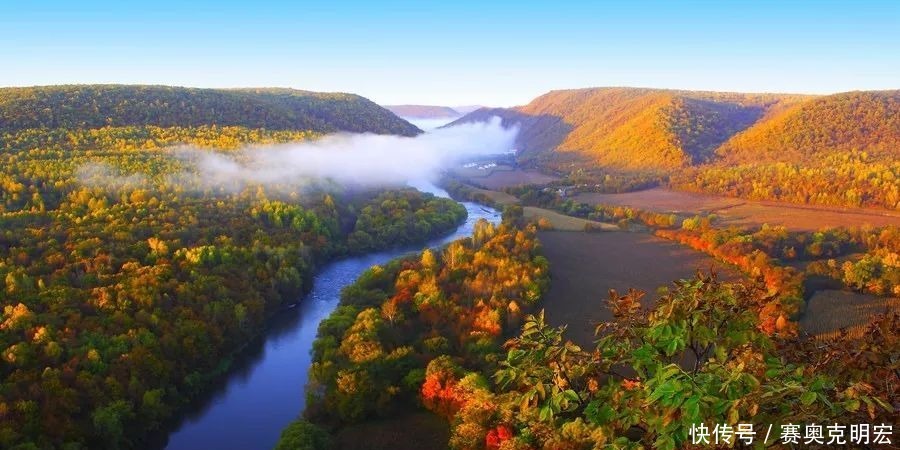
[(839, 149), (631, 128), (95, 106), (866, 121)]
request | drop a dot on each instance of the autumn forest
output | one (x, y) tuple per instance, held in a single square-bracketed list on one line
[(132, 284)]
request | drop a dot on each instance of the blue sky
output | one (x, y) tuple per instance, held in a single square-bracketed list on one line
[(455, 52)]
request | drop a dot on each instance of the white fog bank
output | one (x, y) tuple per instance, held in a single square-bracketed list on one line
[(356, 158)]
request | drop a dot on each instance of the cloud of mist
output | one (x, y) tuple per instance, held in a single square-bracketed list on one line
[(102, 175), (344, 158), (360, 159), (429, 124)]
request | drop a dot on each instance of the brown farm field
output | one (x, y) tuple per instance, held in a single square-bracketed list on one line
[(734, 211), (829, 310), (585, 266), (499, 197), (503, 177), (562, 222)]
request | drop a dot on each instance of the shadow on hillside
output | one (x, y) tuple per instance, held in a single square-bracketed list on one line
[(717, 121), (537, 133)]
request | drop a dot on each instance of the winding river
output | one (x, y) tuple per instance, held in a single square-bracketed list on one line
[(264, 390)]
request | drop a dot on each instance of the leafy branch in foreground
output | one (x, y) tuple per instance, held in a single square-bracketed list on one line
[(697, 356)]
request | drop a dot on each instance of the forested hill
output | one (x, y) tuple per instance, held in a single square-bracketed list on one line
[(636, 128), (423, 111), (866, 121), (841, 149), (95, 106)]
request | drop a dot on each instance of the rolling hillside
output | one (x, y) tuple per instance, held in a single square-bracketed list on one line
[(632, 128), (866, 121), (423, 111), (95, 106), (841, 149)]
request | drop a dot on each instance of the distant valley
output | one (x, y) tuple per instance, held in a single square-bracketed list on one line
[(837, 149), (139, 276), (423, 111)]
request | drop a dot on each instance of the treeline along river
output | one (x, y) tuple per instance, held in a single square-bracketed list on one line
[(264, 390)]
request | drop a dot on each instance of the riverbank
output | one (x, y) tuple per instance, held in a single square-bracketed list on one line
[(373, 356), (777, 251), (264, 391)]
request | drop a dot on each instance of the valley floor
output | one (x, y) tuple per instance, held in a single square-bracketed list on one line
[(585, 266), (735, 211), (504, 176), (829, 310), (732, 211)]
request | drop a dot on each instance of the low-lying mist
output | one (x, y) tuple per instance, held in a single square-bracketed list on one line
[(360, 159), (351, 159)]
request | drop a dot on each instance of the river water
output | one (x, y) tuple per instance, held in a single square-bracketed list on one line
[(264, 391)]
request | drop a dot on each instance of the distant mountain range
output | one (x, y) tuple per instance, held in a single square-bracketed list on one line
[(633, 128), (431, 111), (840, 149), (465, 109), (94, 106), (423, 111)]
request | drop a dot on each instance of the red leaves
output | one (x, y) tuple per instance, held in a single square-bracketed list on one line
[(441, 395), (496, 436), (783, 280)]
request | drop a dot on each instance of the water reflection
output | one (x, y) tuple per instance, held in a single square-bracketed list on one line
[(263, 392)]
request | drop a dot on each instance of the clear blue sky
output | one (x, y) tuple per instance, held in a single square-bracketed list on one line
[(455, 52)]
